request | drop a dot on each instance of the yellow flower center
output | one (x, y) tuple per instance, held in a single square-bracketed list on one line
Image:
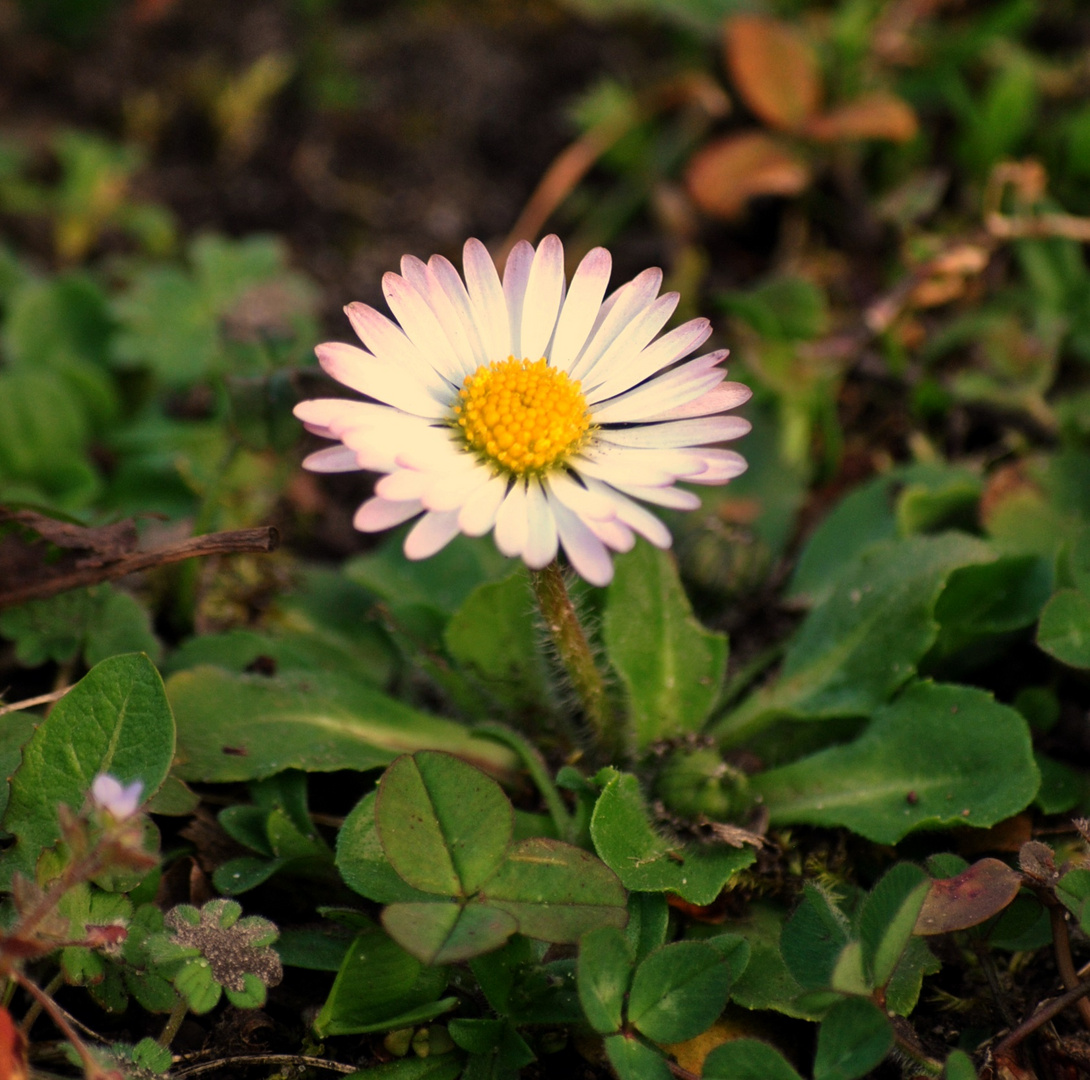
[(523, 415)]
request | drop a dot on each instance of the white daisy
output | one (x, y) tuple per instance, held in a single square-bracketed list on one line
[(529, 408)]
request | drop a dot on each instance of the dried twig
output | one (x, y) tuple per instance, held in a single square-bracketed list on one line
[(221, 543)]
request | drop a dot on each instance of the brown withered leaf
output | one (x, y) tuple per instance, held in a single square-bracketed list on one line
[(872, 116), (724, 175), (774, 68), (41, 556), (975, 895)]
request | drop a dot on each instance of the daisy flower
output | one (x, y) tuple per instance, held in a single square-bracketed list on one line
[(541, 411)]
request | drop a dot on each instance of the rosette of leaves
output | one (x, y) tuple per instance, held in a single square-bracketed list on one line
[(214, 951)]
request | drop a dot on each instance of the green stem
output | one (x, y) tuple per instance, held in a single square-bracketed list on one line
[(575, 653), (534, 764), (174, 1021)]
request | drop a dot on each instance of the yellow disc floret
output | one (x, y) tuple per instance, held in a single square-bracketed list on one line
[(523, 415)]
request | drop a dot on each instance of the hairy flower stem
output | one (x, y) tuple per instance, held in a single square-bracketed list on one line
[(562, 622)]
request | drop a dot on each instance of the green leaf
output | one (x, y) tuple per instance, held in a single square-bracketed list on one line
[(628, 844), (634, 1060), (444, 582), (100, 622), (1064, 630), (444, 933), (747, 1059), (767, 982), (929, 759), (377, 982), (903, 988), (671, 667), (15, 733), (369, 658), (959, 1066), (861, 518), (990, 599), (438, 1067), (648, 922), (1062, 787), (444, 826), (362, 862), (555, 891), (44, 427), (115, 719), (604, 972), (241, 727), (813, 939), (497, 972), (887, 918), (493, 634), (497, 1050), (857, 648), (678, 991), (853, 1038)]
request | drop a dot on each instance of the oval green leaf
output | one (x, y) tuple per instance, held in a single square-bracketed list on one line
[(444, 825), (927, 760), (114, 720), (679, 991)]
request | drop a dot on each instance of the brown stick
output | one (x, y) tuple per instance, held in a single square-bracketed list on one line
[(222, 543)]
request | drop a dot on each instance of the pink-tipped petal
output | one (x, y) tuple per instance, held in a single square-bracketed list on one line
[(378, 514), (430, 534)]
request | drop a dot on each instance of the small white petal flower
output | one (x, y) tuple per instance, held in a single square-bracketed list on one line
[(527, 408), (121, 800)]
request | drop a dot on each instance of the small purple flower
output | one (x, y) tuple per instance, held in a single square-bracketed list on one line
[(121, 800)]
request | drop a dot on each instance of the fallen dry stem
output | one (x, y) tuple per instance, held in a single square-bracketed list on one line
[(221, 543)]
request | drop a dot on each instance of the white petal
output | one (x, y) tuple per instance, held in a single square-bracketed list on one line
[(450, 282), (430, 534), (678, 433), (586, 553), (614, 534), (674, 387), (362, 372), (541, 540), (332, 459), (660, 354), (631, 341), (450, 491), (401, 485), (434, 451), (587, 504), (636, 465), (387, 341), (722, 397), (378, 514), (628, 302), (422, 327), (674, 498), (634, 516), (512, 524), (516, 275), (421, 277), (332, 414), (580, 308), (544, 291), (478, 513), (719, 467), (486, 296)]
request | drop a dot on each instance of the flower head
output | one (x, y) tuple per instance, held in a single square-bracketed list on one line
[(530, 408), (120, 800)]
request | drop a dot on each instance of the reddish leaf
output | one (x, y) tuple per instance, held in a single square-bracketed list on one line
[(774, 69), (725, 174), (976, 894), (13, 1063), (873, 116)]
